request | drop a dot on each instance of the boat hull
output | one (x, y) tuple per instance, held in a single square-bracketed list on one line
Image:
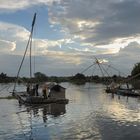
[(123, 92), (25, 99)]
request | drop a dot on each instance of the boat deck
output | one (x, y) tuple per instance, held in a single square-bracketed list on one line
[(24, 98)]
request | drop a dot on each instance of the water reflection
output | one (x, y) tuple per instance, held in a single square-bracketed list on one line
[(91, 114), (50, 109)]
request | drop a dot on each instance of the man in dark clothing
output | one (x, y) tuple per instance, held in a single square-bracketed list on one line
[(36, 89)]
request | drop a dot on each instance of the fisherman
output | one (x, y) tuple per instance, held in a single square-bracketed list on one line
[(28, 88), (44, 91), (36, 89), (33, 90)]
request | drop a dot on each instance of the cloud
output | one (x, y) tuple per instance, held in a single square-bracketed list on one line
[(14, 38), (64, 57), (101, 23), (106, 29), (14, 5), (12, 32), (7, 46), (125, 59)]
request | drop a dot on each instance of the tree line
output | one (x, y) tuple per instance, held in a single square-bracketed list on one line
[(77, 78)]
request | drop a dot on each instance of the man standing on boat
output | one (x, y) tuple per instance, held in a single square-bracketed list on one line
[(28, 88), (44, 91), (36, 89)]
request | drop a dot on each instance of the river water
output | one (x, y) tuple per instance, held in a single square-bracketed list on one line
[(91, 114)]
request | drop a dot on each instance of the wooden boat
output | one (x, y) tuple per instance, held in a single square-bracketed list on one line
[(56, 95), (56, 92), (128, 92), (31, 100), (123, 92)]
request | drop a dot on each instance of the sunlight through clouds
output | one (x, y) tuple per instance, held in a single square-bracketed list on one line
[(72, 31)]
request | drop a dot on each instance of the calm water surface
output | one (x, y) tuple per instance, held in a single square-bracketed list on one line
[(91, 114)]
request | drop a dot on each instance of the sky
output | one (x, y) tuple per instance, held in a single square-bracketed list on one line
[(69, 34)]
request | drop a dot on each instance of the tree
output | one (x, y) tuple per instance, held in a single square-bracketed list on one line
[(3, 76), (40, 76), (79, 79), (79, 76), (136, 70)]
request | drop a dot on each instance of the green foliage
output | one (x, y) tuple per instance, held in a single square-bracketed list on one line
[(79, 76), (136, 70), (3, 76), (79, 79), (40, 76)]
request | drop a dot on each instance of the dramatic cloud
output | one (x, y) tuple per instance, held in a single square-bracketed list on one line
[(97, 22), (14, 5), (106, 29)]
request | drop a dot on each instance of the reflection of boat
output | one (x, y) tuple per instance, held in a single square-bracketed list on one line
[(49, 109), (56, 109), (30, 96)]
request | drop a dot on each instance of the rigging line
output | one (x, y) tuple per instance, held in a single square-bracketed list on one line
[(4, 88), (31, 57), (33, 22), (93, 71), (132, 77), (105, 71), (34, 59), (88, 67), (34, 50), (107, 74), (22, 61), (115, 69), (100, 69), (91, 77), (98, 63)]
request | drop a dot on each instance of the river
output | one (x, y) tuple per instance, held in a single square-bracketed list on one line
[(91, 114)]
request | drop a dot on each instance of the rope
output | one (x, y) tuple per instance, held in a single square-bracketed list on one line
[(5, 87), (88, 68), (115, 69), (28, 43)]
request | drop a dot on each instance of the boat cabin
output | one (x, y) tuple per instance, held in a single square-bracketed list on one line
[(54, 90)]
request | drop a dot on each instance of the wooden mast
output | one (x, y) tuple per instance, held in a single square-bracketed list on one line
[(28, 43), (33, 23)]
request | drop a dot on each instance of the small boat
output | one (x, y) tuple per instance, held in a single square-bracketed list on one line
[(123, 91), (33, 100), (128, 92), (56, 95), (31, 96)]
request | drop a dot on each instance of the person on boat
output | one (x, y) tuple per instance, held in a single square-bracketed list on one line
[(28, 88), (33, 90), (36, 89), (44, 91)]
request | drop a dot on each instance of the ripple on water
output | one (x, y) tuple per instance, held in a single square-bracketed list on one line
[(91, 114)]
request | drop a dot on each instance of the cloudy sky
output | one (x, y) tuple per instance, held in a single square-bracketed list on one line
[(68, 34)]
